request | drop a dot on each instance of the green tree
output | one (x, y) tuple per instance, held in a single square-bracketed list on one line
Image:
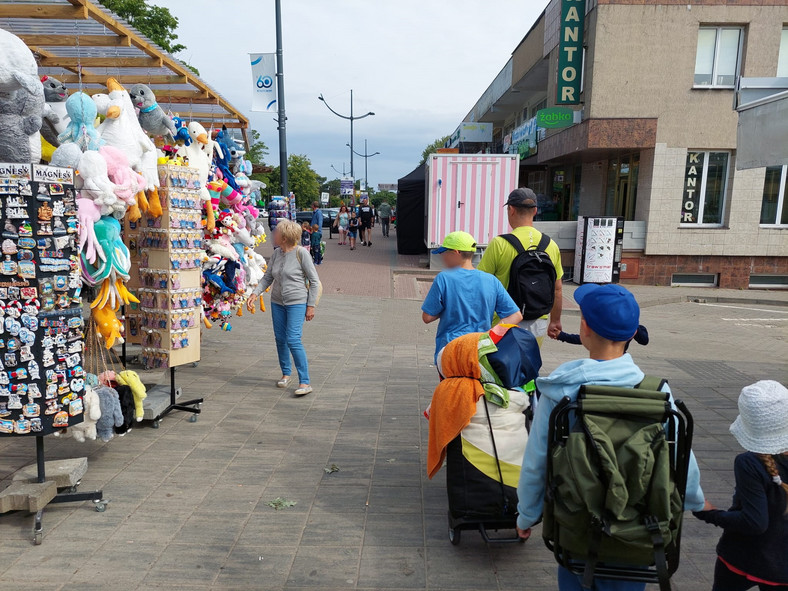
[(331, 187), (432, 148), (257, 148), (382, 196), (157, 23), (301, 179)]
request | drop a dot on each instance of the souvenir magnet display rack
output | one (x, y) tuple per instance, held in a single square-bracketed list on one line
[(166, 253), (42, 338)]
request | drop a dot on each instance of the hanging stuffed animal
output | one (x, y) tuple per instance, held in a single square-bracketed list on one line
[(55, 115), (199, 153), (20, 122), (82, 111), (96, 185), (111, 414), (107, 325), (92, 413), (182, 132), (132, 379), (126, 399), (18, 68), (152, 117), (127, 182), (68, 155), (88, 213)]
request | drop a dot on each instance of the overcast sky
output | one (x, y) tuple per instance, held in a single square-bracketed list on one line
[(420, 65)]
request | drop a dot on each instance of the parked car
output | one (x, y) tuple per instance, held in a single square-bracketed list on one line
[(329, 215)]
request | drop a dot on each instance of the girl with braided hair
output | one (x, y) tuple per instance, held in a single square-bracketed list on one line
[(753, 549)]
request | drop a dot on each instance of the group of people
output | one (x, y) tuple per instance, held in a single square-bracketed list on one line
[(358, 222), (753, 550)]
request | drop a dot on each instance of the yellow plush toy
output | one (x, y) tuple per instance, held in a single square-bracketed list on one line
[(132, 380)]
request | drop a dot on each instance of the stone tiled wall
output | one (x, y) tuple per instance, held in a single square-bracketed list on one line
[(734, 272)]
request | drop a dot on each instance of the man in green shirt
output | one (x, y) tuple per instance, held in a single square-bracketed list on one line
[(384, 212), (497, 259)]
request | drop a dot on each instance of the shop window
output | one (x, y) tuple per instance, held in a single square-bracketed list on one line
[(768, 281), (782, 61), (718, 60), (705, 187), (694, 280), (622, 186), (774, 207)]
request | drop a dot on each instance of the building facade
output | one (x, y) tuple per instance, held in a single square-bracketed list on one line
[(655, 137)]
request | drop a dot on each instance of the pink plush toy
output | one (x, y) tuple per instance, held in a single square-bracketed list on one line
[(88, 213), (127, 182)]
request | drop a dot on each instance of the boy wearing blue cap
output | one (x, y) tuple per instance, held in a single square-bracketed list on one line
[(463, 298), (609, 319)]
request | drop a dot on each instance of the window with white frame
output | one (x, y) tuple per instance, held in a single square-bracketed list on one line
[(774, 207), (718, 60), (782, 60), (705, 187)]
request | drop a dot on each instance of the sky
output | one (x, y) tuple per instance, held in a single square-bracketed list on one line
[(420, 65)]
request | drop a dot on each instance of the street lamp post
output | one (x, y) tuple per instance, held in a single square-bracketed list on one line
[(343, 173), (366, 156), (351, 118)]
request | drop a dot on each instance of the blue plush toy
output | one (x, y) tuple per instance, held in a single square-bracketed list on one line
[(82, 111), (182, 132)]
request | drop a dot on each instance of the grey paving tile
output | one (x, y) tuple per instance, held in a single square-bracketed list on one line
[(403, 530), (200, 563), (317, 567), (460, 568), (392, 567), (327, 528), (251, 567)]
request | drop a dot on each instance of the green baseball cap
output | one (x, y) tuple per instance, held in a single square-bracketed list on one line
[(461, 241)]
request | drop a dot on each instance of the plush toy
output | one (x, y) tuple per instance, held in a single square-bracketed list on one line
[(20, 122), (182, 132), (96, 185), (132, 379), (107, 325), (111, 414), (126, 399), (127, 182), (92, 413), (68, 155), (55, 115), (18, 67), (88, 213), (82, 111), (152, 117), (122, 130)]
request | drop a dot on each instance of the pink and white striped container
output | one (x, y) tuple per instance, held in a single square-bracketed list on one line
[(467, 192)]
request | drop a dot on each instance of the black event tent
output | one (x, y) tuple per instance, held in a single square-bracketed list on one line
[(410, 212)]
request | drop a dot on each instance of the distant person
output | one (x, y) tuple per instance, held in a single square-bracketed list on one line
[(463, 299), (641, 338), (384, 211), (375, 217), (317, 215), (521, 208), (306, 235), (753, 549), (289, 269), (342, 222), (365, 216), (317, 244), (353, 229)]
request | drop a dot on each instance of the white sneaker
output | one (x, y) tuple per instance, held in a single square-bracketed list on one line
[(283, 383), (303, 391)]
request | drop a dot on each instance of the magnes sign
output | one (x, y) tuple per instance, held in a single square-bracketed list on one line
[(570, 52)]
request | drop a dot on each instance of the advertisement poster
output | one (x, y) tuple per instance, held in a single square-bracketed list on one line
[(263, 81), (601, 243)]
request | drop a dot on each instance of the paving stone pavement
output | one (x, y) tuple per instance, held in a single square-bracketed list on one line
[(189, 501)]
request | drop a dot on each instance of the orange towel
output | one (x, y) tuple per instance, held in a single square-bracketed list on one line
[(454, 400)]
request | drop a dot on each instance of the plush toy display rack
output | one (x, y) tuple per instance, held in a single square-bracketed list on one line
[(42, 326)]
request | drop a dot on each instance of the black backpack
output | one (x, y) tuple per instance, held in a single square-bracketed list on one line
[(532, 278)]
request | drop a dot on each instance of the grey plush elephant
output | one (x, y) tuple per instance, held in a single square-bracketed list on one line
[(20, 118), (152, 117)]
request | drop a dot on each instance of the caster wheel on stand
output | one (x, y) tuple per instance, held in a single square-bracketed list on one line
[(101, 505), (156, 424), (193, 418), (38, 537), (454, 536)]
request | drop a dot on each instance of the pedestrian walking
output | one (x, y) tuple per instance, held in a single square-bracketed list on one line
[(354, 226), (753, 549), (317, 215), (365, 216), (532, 280), (609, 319), (294, 293), (384, 211), (462, 298), (342, 222), (317, 245)]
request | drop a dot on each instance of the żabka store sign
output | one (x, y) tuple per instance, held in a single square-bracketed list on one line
[(570, 52)]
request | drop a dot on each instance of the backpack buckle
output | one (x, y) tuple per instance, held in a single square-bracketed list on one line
[(651, 523)]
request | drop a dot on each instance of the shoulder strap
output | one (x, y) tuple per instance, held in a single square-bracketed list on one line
[(515, 242), (652, 383), (543, 243)]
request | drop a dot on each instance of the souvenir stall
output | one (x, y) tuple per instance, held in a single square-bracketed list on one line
[(113, 185)]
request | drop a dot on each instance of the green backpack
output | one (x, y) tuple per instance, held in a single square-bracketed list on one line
[(616, 478)]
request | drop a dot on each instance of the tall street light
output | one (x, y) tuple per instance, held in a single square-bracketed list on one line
[(351, 118), (343, 173), (280, 88), (366, 156)]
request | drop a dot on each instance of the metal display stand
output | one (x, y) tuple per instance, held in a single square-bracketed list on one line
[(192, 406), (68, 496)]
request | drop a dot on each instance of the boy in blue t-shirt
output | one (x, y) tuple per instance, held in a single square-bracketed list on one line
[(462, 298)]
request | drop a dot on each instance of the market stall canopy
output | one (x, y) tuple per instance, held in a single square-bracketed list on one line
[(82, 44), (762, 104)]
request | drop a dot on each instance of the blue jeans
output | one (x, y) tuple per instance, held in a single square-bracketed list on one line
[(570, 582), (288, 322)]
